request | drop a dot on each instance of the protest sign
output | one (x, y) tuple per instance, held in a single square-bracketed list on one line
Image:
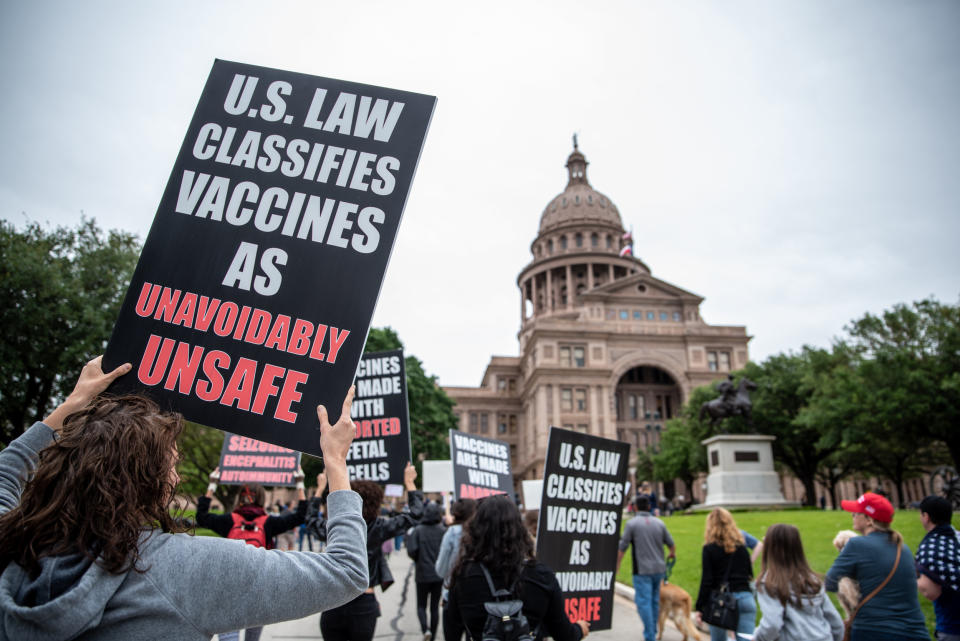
[(481, 466), (580, 513), (246, 460), (437, 476), (381, 449), (532, 493), (254, 292)]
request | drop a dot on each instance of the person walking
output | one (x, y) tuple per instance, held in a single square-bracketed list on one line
[(357, 620), (792, 598), (725, 561), (938, 566), (884, 566), (251, 523), (461, 511), (648, 535), (497, 549), (423, 546), (87, 537)]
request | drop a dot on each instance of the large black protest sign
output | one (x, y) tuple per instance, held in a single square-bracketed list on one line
[(481, 466), (579, 527), (381, 449), (254, 292), (246, 460)]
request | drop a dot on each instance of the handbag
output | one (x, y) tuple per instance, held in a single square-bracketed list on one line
[(848, 624), (722, 609)]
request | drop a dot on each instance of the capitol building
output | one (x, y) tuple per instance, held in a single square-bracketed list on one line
[(605, 347)]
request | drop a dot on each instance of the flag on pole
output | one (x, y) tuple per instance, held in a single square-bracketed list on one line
[(626, 251), (627, 244)]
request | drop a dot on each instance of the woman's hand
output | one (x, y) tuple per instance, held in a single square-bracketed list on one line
[(584, 627), (409, 476), (335, 443), (91, 383)]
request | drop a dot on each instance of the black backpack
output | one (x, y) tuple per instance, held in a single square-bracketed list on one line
[(505, 618)]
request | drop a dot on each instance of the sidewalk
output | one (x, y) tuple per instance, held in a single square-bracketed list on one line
[(398, 621)]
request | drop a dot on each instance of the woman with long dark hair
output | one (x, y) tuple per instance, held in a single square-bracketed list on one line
[(87, 542), (792, 598), (496, 540)]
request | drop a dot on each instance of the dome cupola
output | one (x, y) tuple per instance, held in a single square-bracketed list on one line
[(579, 203)]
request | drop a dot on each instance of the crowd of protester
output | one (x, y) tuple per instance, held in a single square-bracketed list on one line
[(89, 548)]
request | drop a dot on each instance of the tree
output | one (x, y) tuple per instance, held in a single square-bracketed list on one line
[(431, 410), (909, 357), (61, 291)]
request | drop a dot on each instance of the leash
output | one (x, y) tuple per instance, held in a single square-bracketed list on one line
[(670, 563)]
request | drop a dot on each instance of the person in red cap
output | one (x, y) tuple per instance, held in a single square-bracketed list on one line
[(889, 609)]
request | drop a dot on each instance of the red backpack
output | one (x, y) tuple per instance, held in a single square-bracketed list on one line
[(252, 531)]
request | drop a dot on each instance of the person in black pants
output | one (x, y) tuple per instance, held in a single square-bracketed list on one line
[(357, 620), (496, 540), (423, 546)]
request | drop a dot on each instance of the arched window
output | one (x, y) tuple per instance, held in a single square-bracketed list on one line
[(550, 246), (563, 242), (609, 241), (579, 239), (594, 240)]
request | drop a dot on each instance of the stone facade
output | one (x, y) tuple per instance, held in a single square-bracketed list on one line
[(604, 346)]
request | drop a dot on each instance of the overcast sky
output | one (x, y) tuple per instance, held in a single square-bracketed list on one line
[(795, 163)]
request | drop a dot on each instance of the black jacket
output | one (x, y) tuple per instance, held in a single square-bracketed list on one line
[(423, 545), (223, 523), (378, 531), (538, 588), (715, 562)]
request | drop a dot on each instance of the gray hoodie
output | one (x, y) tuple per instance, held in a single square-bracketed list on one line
[(193, 587), (815, 620)]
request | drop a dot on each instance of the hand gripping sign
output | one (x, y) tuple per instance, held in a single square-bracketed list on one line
[(579, 526), (257, 282)]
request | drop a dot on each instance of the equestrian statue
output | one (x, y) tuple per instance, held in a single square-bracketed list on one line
[(733, 401)]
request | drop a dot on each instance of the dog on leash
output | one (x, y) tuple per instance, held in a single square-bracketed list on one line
[(675, 604), (848, 590)]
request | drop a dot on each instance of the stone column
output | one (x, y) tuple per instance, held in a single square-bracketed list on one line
[(569, 289), (534, 293), (523, 299), (589, 276), (549, 301), (594, 400), (605, 413), (611, 271)]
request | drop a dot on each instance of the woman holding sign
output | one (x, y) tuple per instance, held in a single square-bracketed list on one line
[(496, 548), (357, 620), (86, 535)]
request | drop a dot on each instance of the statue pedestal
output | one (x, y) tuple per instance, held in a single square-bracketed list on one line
[(741, 473)]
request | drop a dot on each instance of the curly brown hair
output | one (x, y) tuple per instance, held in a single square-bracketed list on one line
[(372, 496), (105, 478)]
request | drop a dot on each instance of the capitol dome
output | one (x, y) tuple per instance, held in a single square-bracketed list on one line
[(579, 203)]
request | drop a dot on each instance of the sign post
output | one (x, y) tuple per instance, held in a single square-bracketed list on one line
[(579, 527), (254, 292)]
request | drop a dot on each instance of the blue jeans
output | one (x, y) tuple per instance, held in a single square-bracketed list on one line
[(646, 594), (747, 620)]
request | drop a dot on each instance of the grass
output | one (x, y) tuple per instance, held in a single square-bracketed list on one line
[(817, 529)]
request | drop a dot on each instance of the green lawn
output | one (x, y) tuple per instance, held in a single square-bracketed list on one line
[(816, 527)]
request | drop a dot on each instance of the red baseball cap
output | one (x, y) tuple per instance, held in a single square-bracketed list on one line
[(873, 505)]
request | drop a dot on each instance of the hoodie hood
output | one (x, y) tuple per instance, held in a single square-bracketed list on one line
[(67, 598), (432, 514)]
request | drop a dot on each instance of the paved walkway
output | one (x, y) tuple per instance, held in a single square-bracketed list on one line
[(398, 621)]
